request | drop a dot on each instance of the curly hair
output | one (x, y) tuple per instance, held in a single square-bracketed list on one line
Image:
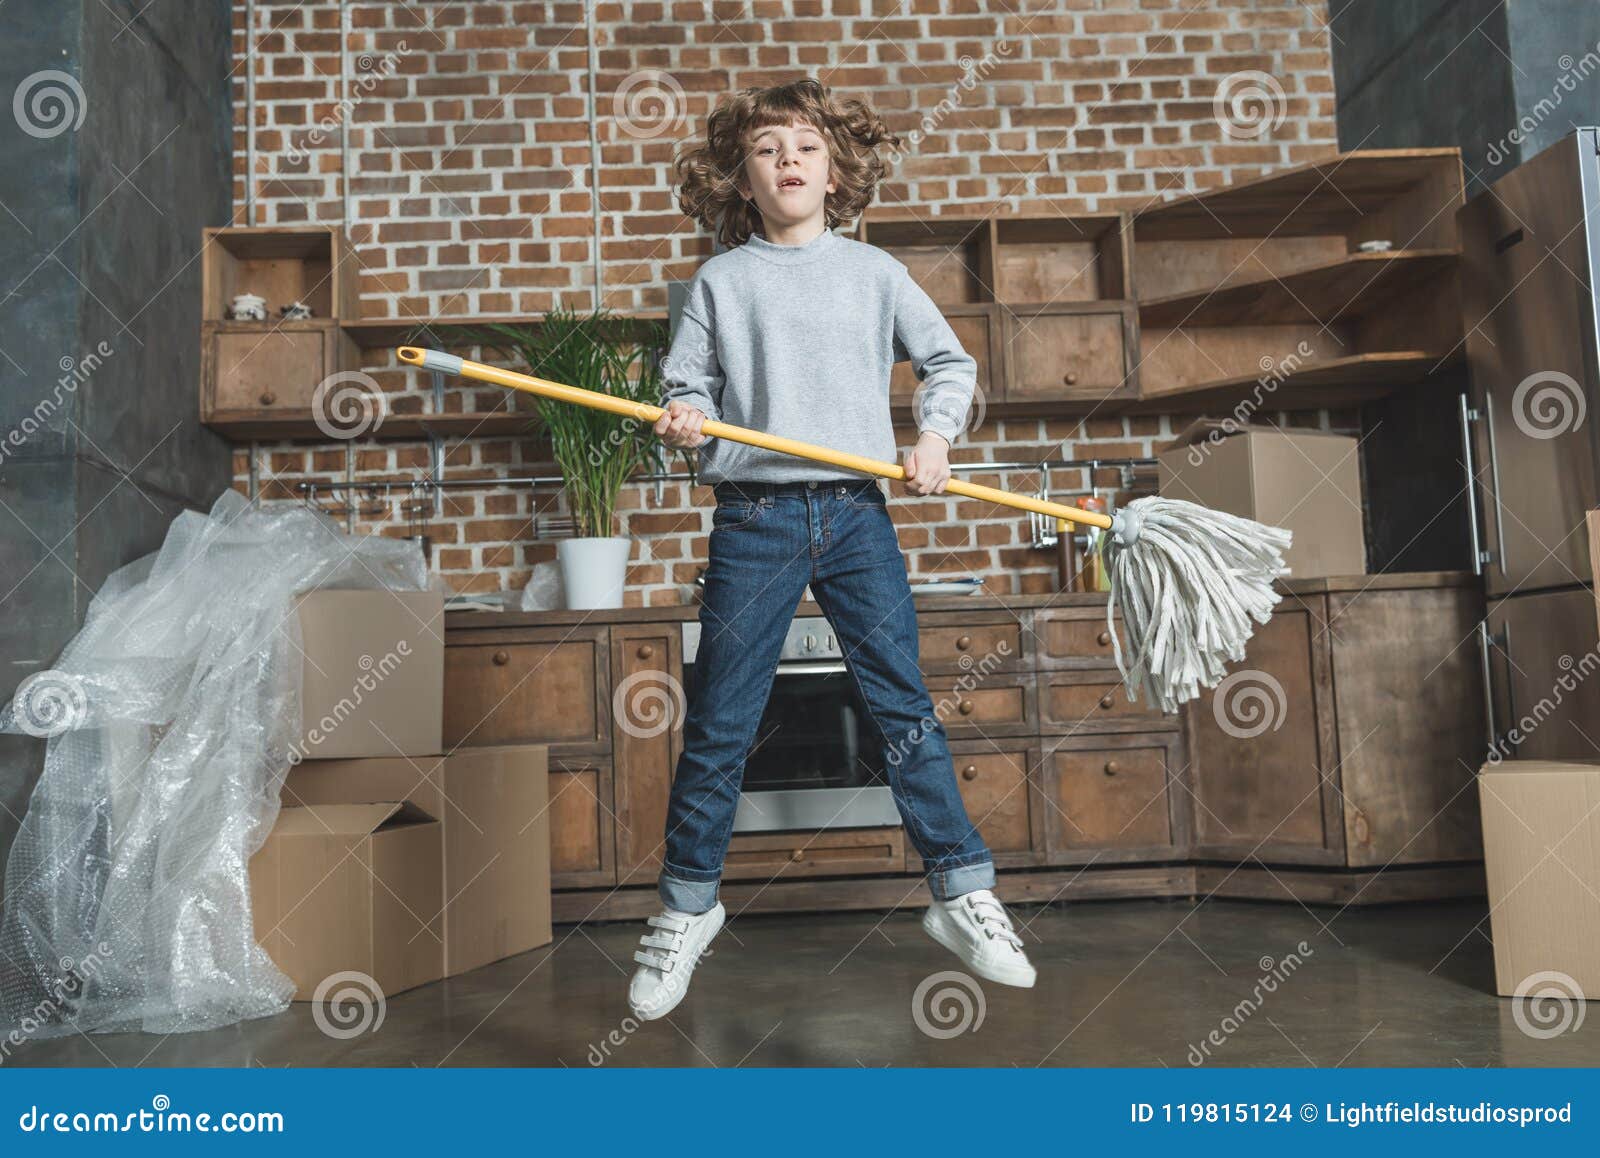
[(710, 173)]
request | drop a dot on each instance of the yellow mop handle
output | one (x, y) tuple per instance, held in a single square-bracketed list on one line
[(644, 412)]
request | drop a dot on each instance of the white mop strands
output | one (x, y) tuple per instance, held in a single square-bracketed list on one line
[(1188, 581)]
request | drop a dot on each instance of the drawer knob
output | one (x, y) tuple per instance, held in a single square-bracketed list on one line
[(1069, 379), (798, 855), (268, 398), (645, 651), (1112, 768), (970, 772), (1108, 699), (501, 658), (963, 643), (965, 707), (1103, 639)]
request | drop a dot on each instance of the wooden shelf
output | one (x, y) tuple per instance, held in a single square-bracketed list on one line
[(1335, 383), (393, 427), (378, 333), (1320, 294), (1340, 194)]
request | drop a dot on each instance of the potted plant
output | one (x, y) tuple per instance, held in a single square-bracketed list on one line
[(596, 452)]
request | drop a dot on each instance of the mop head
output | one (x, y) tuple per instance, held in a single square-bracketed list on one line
[(1188, 581)]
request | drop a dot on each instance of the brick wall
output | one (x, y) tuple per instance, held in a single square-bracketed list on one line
[(459, 162)]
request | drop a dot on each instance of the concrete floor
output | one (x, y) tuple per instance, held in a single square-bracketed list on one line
[(1135, 983)]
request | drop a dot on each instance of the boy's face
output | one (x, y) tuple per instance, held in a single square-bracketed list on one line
[(787, 173)]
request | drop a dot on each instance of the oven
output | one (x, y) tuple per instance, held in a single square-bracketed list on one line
[(816, 761)]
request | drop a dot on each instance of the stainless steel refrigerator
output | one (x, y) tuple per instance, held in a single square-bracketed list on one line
[(1531, 440)]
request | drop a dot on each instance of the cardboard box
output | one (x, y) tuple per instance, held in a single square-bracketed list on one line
[(373, 676), (1307, 481), (351, 887), (494, 804), (1541, 851)]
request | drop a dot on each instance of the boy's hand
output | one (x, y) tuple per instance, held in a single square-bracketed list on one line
[(680, 426), (928, 466)]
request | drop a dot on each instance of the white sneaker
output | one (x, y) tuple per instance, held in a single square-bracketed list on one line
[(662, 978), (976, 927)]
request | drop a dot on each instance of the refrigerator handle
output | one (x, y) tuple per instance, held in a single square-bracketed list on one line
[(1494, 481), (1468, 415)]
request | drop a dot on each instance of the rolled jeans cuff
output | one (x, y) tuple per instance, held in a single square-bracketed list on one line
[(687, 896), (952, 880)]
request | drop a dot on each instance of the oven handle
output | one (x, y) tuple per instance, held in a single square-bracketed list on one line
[(812, 669)]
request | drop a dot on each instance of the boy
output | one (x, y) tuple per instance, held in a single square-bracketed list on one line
[(794, 332)]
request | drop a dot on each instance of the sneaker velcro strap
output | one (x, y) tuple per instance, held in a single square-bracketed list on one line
[(659, 941), (662, 963), (677, 924)]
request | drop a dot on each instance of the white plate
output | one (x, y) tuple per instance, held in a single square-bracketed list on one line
[(948, 587)]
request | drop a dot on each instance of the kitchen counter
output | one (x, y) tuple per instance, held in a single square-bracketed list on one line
[(1404, 580)]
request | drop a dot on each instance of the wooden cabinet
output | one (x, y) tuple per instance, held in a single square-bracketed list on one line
[(1408, 697), (1351, 732), (534, 686), (582, 848), (995, 777), (1111, 797), (647, 708), (1263, 747)]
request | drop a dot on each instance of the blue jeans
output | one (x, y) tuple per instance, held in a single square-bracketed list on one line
[(768, 541)]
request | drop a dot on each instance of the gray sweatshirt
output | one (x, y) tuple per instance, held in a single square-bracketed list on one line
[(799, 341)]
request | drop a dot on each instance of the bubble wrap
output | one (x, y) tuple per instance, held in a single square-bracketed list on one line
[(168, 721)]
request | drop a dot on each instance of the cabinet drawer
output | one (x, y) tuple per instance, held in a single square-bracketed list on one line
[(1064, 355), (1106, 798), (257, 370), (1090, 701), (975, 327), (973, 705), (771, 855), (960, 645), (528, 690), (1076, 640)]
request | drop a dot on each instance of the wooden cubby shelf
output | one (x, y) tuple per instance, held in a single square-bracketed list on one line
[(1345, 287), (1257, 292), (1263, 291)]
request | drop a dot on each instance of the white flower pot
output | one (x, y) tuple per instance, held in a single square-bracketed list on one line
[(593, 569)]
